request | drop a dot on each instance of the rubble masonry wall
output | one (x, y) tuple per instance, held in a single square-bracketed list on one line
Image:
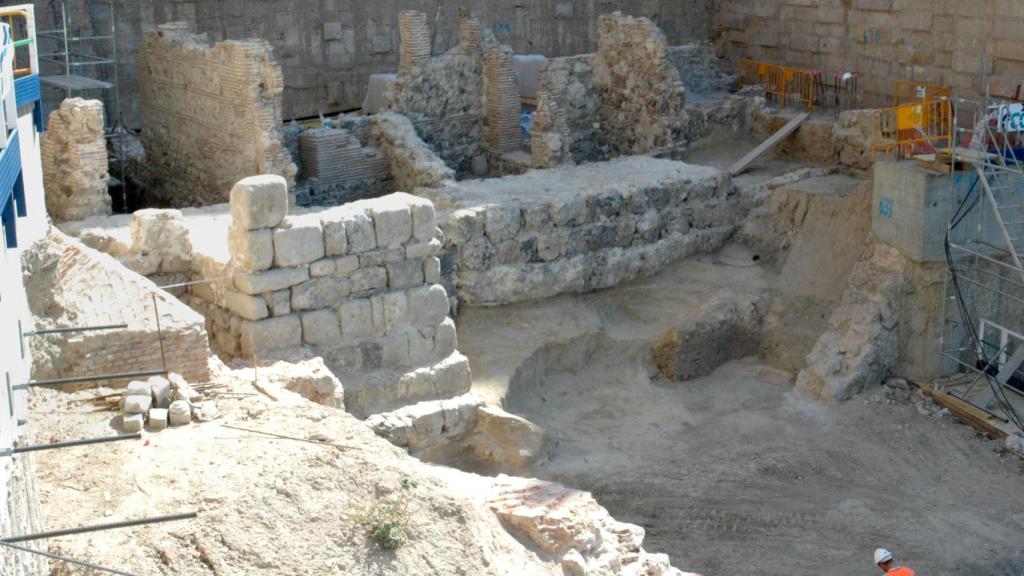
[(578, 229), (74, 154), (625, 99), (329, 49), (212, 114)]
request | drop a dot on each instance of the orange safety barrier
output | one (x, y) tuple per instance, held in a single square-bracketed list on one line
[(909, 91), (910, 129), (781, 82)]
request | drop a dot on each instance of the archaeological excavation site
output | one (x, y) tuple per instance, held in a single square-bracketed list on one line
[(544, 288)]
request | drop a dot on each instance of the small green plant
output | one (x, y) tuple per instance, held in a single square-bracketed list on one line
[(387, 525), (387, 522)]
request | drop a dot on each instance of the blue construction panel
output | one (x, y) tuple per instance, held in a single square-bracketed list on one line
[(27, 91), (10, 171), (19, 195), (10, 224)]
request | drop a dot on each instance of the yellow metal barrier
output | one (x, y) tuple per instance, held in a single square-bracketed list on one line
[(8, 14), (910, 129), (908, 91), (781, 82)]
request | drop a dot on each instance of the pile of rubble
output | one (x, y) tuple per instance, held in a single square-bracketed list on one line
[(160, 402)]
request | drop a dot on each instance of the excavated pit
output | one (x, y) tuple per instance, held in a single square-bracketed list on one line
[(726, 467)]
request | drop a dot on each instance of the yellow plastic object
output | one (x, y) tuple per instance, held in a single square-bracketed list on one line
[(901, 132)]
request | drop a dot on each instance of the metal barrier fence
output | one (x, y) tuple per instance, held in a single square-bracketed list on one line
[(908, 91), (904, 131), (782, 82)]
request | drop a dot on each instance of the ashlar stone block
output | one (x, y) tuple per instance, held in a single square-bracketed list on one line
[(321, 328), (299, 240), (259, 202), (392, 221), (278, 333)]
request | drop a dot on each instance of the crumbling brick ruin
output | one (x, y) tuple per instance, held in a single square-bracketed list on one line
[(72, 285), (627, 98), (212, 114), (75, 161)]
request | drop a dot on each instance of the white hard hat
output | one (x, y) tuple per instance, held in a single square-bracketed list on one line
[(882, 555)]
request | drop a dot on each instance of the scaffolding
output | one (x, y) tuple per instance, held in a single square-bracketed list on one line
[(983, 332)]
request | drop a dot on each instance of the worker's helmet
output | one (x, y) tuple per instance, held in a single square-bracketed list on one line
[(882, 555)]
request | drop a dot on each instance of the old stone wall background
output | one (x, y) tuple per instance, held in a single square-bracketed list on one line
[(966, 45), (328, 48), (212, 114)]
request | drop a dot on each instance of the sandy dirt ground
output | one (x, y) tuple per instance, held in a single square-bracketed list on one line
[(733, 474)]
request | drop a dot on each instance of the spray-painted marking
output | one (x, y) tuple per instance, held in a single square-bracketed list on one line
[(503, 27), (885, 207)]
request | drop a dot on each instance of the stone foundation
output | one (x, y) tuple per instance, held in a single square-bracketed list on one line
[(578, 229)]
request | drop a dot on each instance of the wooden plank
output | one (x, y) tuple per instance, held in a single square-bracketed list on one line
[(770, 143), (933, 164), (970, 415)]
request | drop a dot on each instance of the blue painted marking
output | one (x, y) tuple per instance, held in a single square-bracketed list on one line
[(885, 208)]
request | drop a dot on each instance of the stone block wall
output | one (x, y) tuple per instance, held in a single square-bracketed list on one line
[(69, 285), (967, 45), (74, 153), (578, 229), (212, 114), (625, 99), (359, 282)]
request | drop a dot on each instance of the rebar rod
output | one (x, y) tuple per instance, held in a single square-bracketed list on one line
[(96, 378), (98, 528), (60, 558), (72, 443), (75, 329)]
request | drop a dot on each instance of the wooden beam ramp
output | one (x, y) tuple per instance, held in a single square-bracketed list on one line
[(768, 144)]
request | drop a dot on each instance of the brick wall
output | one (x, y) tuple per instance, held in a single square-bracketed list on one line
[(75, 161), (967, 45), (212, 114)]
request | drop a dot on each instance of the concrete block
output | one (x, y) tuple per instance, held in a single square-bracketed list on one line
[(356, 318), (251, 250), (392, 221), (396, 311), (180, 413), (405, 274), (137, 404), (259, 202), (158, 418), (428, 305), (132, 422), (271, 280), (262, 336), (320, 293), (299, 240), (321, 328)]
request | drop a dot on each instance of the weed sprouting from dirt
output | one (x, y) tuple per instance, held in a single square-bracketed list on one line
[(387, 522)]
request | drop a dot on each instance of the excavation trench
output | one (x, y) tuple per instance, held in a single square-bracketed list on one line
[(726, 467)]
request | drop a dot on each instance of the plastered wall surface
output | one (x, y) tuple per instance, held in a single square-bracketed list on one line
[(328, 48), (966, 45)]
